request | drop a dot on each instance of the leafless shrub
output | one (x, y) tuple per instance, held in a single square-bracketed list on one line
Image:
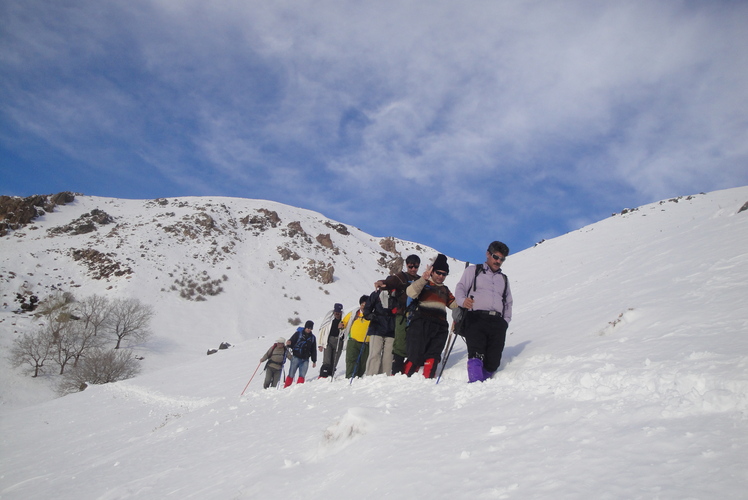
[(32, 349), (100, 366), (55, 303)]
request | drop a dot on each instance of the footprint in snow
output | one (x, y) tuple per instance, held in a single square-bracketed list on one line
[(351, 426)]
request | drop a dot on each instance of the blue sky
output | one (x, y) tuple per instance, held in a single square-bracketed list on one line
[(448, 123)]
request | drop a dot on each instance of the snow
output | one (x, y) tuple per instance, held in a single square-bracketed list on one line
[(625, 376)]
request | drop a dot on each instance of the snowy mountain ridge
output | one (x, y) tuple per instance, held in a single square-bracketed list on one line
[(230, 268), (625, 376)]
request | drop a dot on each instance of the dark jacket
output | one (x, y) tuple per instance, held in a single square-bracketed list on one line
[(381, 316), (304, 345), (399, 283)]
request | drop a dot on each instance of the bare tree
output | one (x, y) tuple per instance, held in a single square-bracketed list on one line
[(100, 366), (63, 342), (71, 340), (73, 332), (71, 325), (32, 349), (84, 339), (129, 319), (94, 312)]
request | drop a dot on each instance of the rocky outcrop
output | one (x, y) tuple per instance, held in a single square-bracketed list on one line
[(16, 212), (320, 271), (263, 220), (340, 228), (325, 241), (99, 264), (84, 224)]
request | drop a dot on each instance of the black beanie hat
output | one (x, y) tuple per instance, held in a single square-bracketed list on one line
[(440, 264), (363, 299), (309, 324)]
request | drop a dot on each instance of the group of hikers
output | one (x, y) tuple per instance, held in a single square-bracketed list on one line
[(402, 326)]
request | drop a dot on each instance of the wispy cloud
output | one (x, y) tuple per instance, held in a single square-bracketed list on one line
[(549, 111)]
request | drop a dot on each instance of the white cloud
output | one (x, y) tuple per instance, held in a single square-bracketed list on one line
[(647, 98)]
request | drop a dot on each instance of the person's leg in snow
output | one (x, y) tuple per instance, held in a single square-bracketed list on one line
[(303, 367)]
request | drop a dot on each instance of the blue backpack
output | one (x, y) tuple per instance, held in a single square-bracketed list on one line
[(303, 345)]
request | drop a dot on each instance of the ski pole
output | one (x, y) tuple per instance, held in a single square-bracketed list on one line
[(250, 378), (446, 359), (446, 347), (454, 329), (338, 352)]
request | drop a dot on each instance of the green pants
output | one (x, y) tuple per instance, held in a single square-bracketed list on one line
[(399, 347), (352, 350)]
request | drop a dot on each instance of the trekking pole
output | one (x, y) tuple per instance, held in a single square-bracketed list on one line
[(334, 360), (250, 378), (446, 358), (358, 359), (446, 346)]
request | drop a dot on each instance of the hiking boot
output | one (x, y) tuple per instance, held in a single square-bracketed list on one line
[(300, 380), (475, 370), (429, 368), (289, 381)]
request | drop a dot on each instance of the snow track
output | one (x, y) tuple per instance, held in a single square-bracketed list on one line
[(129, 391)]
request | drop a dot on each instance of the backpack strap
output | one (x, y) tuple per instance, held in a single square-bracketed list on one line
[(478, 269), (503, 295)]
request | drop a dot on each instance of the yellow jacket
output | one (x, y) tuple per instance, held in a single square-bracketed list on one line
[(356, 328)]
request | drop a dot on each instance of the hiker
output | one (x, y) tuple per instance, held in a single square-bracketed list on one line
[(330, 341), (380, 311), (303, 345), (356, 329), (275, 357), (429, 328), (484, 292), (399, 282)]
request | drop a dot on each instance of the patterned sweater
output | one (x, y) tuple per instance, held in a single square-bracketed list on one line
[(433, 299)]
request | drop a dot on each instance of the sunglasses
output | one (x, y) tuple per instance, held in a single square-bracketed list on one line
[(413, 266), (500, 258), (441, 273)]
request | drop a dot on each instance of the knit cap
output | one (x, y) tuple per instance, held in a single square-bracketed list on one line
[(440, 264)]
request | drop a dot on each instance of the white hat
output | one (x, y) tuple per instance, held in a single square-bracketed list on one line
[(281, 340)]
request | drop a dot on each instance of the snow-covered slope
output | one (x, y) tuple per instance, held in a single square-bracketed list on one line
[(625, 376), (274, 266)]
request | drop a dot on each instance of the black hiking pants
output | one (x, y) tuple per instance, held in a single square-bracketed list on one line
[(485, 337), (426, 338)]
